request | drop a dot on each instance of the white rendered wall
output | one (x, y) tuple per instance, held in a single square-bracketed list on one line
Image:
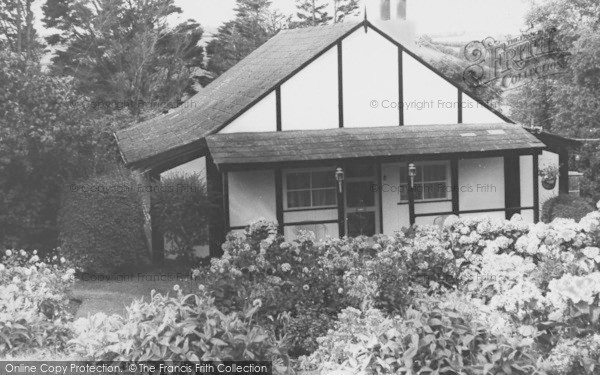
[(309, 100), (428, 98), (481, 184), (370, 68), (262, 117), (526, 178), (475, 113), (251, 196)]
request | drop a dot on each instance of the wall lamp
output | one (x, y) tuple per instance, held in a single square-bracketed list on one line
[(412, 173), (339, 177)]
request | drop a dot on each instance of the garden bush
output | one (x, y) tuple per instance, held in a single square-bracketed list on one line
[(428, 339), (102, 224), (33, 302), (181, 207), (566, 207), (179, 329)]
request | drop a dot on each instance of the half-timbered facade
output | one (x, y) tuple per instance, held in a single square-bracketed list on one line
[(342, 130)]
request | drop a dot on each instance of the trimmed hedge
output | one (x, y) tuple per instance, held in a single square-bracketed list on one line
[(101, 224), (567, 207)]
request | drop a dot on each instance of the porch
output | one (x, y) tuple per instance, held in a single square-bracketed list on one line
[(363, 182)]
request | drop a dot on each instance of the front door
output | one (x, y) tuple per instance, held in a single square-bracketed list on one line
[(361, 201)]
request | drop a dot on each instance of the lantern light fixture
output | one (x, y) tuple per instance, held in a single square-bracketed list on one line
[(339, 177), (412, 173)]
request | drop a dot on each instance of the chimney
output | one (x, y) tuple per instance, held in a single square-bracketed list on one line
[(401, 10), (391, 17), (398, 7)]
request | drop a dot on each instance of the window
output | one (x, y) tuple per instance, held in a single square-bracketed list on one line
[(311, 189), (575, 183), (431, 182)]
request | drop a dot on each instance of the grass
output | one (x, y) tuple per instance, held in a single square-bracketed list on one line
[(111, 294)]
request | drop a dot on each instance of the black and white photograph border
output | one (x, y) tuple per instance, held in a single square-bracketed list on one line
[(299, 187)]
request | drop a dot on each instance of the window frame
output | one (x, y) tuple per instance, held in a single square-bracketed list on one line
[(310, 189), (448, 196)]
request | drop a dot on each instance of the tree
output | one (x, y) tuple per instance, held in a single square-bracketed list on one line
[(312, 13), (568, 103), (254, 23), (46, 140), (345, 8), (17, 31), (124, 52)]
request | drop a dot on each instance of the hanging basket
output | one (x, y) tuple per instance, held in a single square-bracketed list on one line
[(549, 183)]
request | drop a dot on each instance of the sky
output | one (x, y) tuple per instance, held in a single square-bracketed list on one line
[(434, 17)]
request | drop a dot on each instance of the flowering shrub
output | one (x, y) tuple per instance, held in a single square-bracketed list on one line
[(428, 339), (181, 328), (33, 303)]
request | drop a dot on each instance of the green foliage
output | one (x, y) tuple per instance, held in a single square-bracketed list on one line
[(33, 302), (567, 103), (566, 206), (17, 28), (255, 22), (102, 224), (181, 207), (429, 339), (312, 13), (181, 328), (46, 139), (124, 53)]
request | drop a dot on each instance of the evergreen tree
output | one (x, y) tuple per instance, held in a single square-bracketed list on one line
[(345, 8), (254, 23), (17, 29), (124, 52), (312, 13)]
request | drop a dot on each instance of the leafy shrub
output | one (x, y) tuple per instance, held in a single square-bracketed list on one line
[(567, 207), (102, 224), (33, 303), (428, 339), (181, 207), (182, 328)]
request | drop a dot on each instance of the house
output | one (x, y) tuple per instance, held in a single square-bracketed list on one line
[(342, 130)]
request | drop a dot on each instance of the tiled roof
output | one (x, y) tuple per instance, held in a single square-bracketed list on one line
[(334, 144), (179, 131)]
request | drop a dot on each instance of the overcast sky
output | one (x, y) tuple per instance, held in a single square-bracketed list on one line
[(492, 17)]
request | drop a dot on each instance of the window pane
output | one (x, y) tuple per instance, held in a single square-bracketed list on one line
[(418, 191), (298, 181), (434, 191), (297, 199), (324, 197), (323, 179), (434, 173)]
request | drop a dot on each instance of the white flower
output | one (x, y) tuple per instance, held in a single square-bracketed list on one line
[(285, 245), (306, 287), (340, 290), (195, 273), (201, 287), (2, 268), (598, 205), (23, 253), (257, 302), (34, 252), (62, 260), (176, 288), (591, 252), (527, 331), (285, 267), (34, 259), (8, 253)]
